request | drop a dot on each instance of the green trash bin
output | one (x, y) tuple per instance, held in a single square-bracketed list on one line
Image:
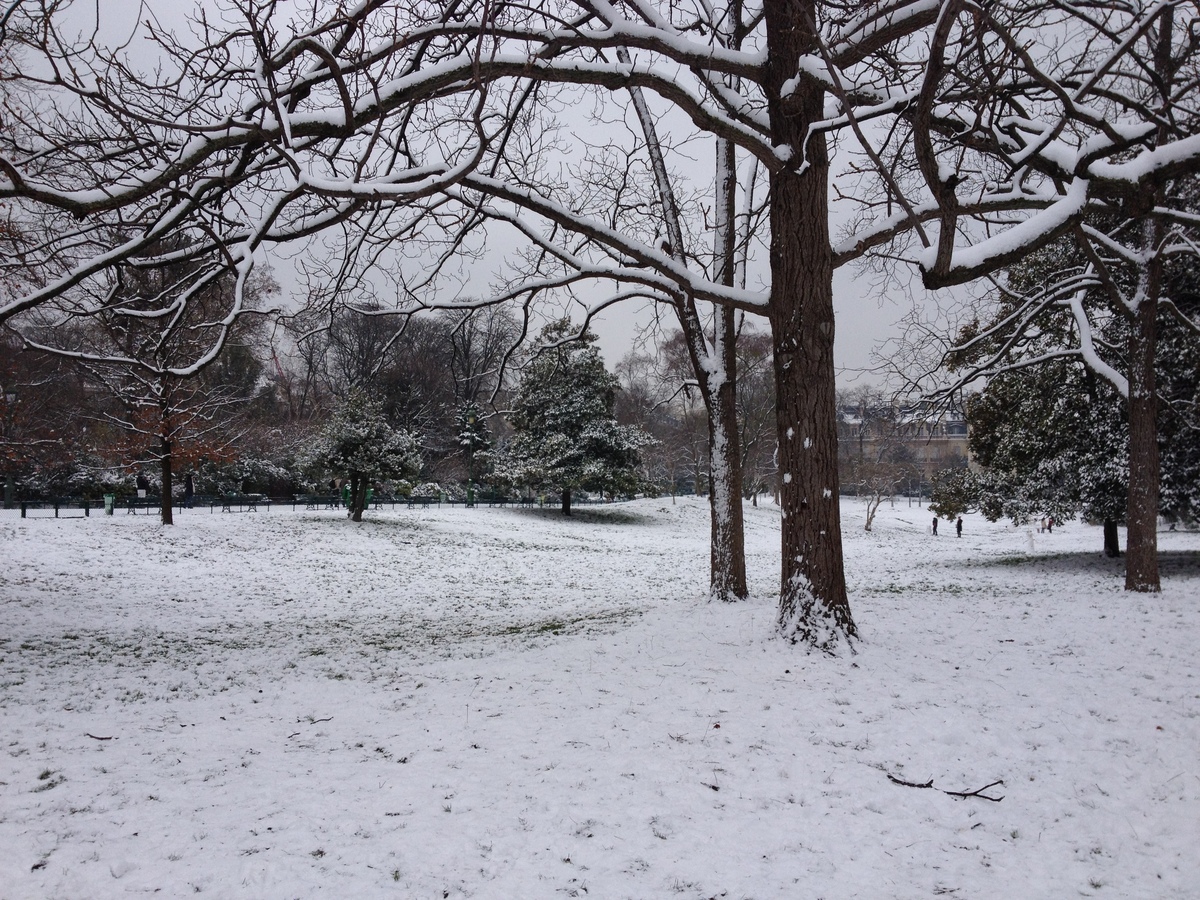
[(110, 502)]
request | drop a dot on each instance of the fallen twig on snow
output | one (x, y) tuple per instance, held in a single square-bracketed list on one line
[(929, 784), (96, 737), (977, 793)]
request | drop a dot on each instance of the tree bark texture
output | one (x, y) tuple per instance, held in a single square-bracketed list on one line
[(165, 451), (1141, 516), (1112, 541), (165, 469), (358, 496), (566, 501), (727, 579), (1141, 513), (718, 386), (813, 606)]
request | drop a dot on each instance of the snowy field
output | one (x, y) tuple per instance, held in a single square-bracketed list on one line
[(506, 704)]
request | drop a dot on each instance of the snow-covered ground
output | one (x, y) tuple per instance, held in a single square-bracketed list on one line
[(506, 704)]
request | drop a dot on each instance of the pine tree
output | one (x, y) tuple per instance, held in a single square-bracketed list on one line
[(358, 442), (476, 445), (566, 435)]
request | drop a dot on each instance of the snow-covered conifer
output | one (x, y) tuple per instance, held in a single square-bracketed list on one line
[(566, 435), (359, 444)]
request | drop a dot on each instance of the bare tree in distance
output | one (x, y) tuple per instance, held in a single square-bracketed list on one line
[(157, 363)]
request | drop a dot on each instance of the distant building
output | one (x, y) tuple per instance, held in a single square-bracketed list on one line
[(920, 436)]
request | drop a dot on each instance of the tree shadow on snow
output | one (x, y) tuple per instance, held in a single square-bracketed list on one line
[(1173, 564)]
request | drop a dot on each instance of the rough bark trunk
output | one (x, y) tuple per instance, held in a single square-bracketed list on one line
[(1141, 516), (1112, 543), (813, 607), (165, 451), (1141, 512), (165, 458), (566, 501)]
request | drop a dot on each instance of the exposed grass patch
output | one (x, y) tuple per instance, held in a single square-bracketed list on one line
[(589, 515), (569, 625)]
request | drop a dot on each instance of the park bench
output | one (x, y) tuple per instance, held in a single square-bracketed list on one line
[(243, 502), (147, 505), (62, 508), (320, 501)]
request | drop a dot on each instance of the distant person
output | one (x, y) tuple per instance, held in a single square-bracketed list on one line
[(143, 485), (958, 526), (1050, 524), (935, 526), (189, 490)]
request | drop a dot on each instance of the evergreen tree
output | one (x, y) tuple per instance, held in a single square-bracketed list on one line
[(566, 435), (476, 445), (358, 443), (1053, 441)]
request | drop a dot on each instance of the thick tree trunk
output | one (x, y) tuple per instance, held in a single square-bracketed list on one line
[(813, 607), (1141, 513), (1141, 516), (566, 501), (165, 460), (1112, 543)]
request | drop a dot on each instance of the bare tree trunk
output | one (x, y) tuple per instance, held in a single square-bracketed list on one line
[(1141, 513), (1112, 542), (727, 580), (1141, 558), (168, 517), (873, 502), (727, 569), (165, 459), (566, 501), (358, 496), (727, 556), (813, 606)]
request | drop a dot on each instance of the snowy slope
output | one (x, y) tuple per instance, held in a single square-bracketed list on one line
[(501, 703)]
